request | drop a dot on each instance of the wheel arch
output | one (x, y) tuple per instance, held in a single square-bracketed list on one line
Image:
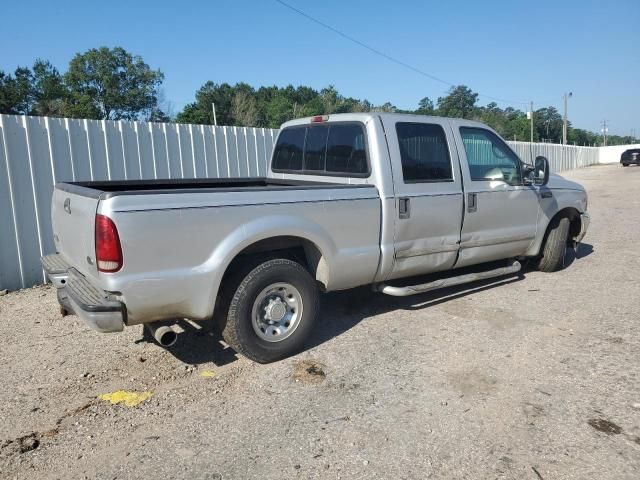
[(575, 225), (297, 248), (293, 238)]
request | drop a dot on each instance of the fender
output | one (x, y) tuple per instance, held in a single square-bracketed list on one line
[(261, 229), (561, 199)]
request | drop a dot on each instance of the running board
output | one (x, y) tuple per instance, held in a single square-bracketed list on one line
[(448, 282)]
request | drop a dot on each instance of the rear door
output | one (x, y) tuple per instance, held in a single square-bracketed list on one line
[(500, 218), (73, 216), (428, 191)]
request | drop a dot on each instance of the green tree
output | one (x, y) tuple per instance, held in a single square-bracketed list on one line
[(9, 98), (547, 123), (278, 111), (425, 107), (459, 103), (16, 93), (201, 111), (244, 109), (159, 116), (387, 107), (111, 84), (48, 90)]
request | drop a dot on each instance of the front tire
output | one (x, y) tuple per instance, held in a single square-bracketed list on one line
[(625, 164), (555, 246), (271, 310)]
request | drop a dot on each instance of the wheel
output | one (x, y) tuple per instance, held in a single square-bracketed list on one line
[(625, 164), (271, 308), (555, 245)]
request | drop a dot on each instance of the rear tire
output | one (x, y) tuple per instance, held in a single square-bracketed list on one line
[(269, 309), (625, 164), (555, 246)]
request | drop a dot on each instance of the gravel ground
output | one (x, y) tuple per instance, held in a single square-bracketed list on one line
[(532, 377)]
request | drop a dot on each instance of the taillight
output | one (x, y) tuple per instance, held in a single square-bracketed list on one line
[(320, 118), (108, 250)]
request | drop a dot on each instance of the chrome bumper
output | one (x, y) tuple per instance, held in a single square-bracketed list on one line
[(585, 220), (77, 295)]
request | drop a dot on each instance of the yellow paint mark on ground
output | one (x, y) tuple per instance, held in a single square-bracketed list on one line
[(207, 373), (130, 399)]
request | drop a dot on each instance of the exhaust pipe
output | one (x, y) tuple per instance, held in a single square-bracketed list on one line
[(165, 336)]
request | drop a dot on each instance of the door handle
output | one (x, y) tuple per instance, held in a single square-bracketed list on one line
[(404, 207), (472, 202)]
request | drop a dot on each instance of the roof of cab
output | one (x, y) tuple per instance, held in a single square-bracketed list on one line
[(385, 116)]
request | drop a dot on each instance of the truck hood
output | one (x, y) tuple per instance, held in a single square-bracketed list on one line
[(558, 181)]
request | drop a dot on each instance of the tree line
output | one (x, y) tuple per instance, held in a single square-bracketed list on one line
[(113, 84)]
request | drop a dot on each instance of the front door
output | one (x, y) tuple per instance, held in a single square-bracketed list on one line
[(500, 215), (428, 192)]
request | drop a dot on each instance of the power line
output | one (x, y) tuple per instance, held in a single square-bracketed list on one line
[(386, 56)]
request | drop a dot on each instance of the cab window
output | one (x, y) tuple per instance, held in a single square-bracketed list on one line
[(423, 152), (325, 149), (489, 158)]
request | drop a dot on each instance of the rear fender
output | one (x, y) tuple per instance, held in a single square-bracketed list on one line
[(255, 231)]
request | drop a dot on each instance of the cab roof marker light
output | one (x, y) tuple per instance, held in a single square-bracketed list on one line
[(319, 118)]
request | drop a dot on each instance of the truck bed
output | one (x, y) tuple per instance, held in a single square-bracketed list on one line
[(183, 232), (108, 189)]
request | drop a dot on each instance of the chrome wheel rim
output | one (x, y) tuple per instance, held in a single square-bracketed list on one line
[(276, 312)]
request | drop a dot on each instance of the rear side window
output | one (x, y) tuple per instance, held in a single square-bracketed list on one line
[(424, 153), (329, 149)]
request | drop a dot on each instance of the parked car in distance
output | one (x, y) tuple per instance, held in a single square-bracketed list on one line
[(631, 156), (349, 200)]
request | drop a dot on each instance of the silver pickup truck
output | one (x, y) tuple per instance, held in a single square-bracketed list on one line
[(350, 200)]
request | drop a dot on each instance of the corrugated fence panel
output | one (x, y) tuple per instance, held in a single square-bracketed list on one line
[(22, 200), (36, 152), (10, 255)]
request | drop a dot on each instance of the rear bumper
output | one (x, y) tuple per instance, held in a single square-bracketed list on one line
[(585, 220), (77, 295)]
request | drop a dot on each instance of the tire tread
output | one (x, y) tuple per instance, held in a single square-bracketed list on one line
[(555, 245)]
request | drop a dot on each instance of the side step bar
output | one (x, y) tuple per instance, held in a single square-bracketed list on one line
[(448, 282)]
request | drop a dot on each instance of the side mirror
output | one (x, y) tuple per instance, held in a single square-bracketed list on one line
[(541, 172)]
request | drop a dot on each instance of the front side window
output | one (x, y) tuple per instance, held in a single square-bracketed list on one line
[(329, 149), (424, 153), (488, 157)]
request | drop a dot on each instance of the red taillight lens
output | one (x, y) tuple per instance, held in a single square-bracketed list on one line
[(320, 118), (108, 251)]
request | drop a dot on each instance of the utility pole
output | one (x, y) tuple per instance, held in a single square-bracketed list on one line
[(531, 122), (565, 125), (604, 131), (215, 120)]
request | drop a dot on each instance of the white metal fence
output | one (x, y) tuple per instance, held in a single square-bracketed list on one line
[(561, 157), (37, 152)]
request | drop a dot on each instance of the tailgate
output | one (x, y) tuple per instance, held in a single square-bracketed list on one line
[(73, 217)]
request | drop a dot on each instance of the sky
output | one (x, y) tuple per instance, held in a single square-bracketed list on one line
[(513, 50)]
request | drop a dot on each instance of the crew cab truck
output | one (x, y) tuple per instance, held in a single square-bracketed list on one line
[(349, 200)]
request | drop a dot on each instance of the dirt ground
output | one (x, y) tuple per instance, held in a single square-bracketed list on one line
[(530, 377)]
